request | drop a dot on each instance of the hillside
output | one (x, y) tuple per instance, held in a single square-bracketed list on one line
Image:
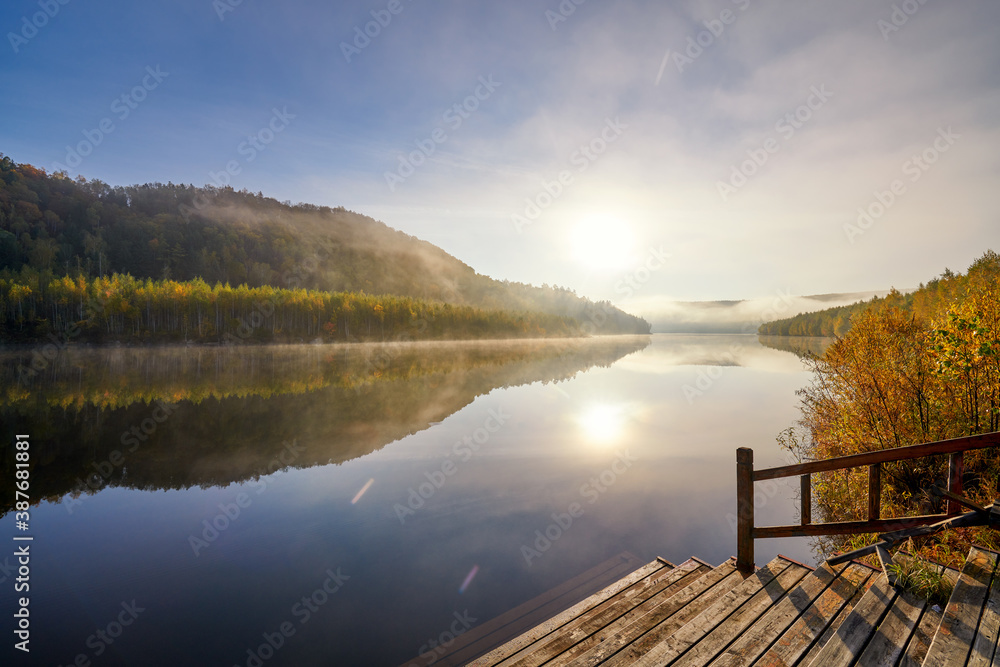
[(53, 226), (923, 303)]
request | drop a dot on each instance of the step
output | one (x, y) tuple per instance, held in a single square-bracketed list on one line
[(490, 634), (591, 628), (542, 630), (627, 642), (971, 622), (888, 627), (791, 627), (708, 634)]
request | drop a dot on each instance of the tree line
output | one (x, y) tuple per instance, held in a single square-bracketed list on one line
[(122, 308), (55, 226), (923, 302), (911, 369)]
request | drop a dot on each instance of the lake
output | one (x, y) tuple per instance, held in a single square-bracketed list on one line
[(355, 504)]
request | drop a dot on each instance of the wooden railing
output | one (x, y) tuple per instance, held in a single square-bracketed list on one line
[(747, 532)]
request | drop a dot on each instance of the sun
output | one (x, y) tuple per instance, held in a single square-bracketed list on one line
[(602, 243), (602, 424)]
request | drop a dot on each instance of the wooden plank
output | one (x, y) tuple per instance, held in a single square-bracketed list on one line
[(839, 619), (847, 527), (893, 634), (920, 640), (985, 645), (641, 611), (744, 510), (956, 469), (756, 639), (517, 643), (875, 492), (680, 641), (853, 634), (710, 646), (953, 640), (596, 618), (805, 500), (803, 634), (523, 618), (627, 644), (881, 456)]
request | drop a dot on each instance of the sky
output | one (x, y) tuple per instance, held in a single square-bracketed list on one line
[(637, 151)]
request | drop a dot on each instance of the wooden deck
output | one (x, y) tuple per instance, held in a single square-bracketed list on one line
[(785, 613)]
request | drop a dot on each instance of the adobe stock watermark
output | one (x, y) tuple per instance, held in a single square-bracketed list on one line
[(696, 45), (381, 18), (131, 440), (632, 282), (786, 127), (453, 118), (230, 512), (106, 636), (763, 491), (223, 7), (900, 16), (303, 611), (562, 12), (707, 377), (463, 450), (582, 158), (254, 145), (30, 27), (591, 491), (434, 649), (122, 107), (914, 168)]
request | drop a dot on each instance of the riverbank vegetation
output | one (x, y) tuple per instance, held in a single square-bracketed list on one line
[(910, 369), (173, 247), (120, 308)]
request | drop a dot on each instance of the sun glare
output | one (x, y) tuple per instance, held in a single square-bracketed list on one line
[(602, 243), (602, 424)]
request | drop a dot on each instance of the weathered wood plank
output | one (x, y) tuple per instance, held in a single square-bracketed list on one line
[(679, 642), (516, 644), (881, 456), (803, 634), (839, 619), (712, 644), (953, 640), (757, 638), (893, 633), (854, 633), (611, 630), (985, 645), (603, 614), (627, 644), (847, 527), (920, 640), (875, 492)]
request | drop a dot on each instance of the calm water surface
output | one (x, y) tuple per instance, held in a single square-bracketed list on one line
[(201, 494)]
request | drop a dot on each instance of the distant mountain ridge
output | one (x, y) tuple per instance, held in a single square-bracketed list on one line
[(922, 303), (743, 316), (53, 225)]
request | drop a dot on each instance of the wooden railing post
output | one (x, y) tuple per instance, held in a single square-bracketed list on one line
[(875, 492), (956, 468), (744, 510), (805, 515)]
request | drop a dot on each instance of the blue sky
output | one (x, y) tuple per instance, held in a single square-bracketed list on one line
[(739, 137)]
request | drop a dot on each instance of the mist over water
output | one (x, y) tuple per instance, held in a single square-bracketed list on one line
[(216, 488)]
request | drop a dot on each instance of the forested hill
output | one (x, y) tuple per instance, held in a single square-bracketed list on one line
[(924, 303), (52, 226)]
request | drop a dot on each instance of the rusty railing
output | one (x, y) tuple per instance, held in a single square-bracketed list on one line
[(747, 532)]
